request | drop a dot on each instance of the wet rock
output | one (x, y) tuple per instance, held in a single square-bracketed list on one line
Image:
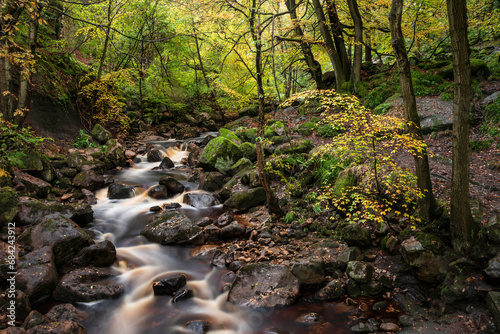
[(158, 192), (167, 163), (232, 230), (424, 264), (102, 254), (363, 327), (264, 285), (32, 211), (155, 208), (219, 155), (347, 255), (380, 306), (100, 134), (9, 202), (355, 236), (211, 181), (493, 230), (66, 312), (89, 179), (169, 286), (183, 295), (114, 153), (372, 289), (174, 186), (37, 275), (245, 200), (200, 200), (32, 184), (194, 155), (353, 289), (120, 191), (205, 221), (212, 233), (389, 327), (308, 272), (492, 270), (35, 318), (224, 219), (171, 227), (333, 290), (171, 206), (59, 327), (88, 284), (62, 235), (361, 272), (156, 155), (309, 318), (198, 326)]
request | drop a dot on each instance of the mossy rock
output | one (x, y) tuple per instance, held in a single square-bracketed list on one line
[(430, 242), (245, 200), (241, 165), (251, 111), (225, 133), (100, 134), (295, 146), (9, 202), (249, 151), (248, 135), (479, 69), (346, 179), (220, 151)]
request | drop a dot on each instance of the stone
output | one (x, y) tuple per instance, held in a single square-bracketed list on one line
[(372, 289), (183, 295), (424, 264), (9, 202), (493, 302), (219, 155), (87, 285), (166, 163), (102, 254), (100, 134), (83, 161), (492, 270), (241, 165), (114, 153), (225, 133), (89, 179), (249, 151), (156, 154), (66, 312), (174, 186), (211, 181), (224, 219), (38, 187), (308, 272), (168, 286), (171, 227), (309, 318), (200, 200), (333, 290), (363, 327), (198, 326), (32, 211), (355, 235), (245, 200), (296, 146), (35, 318), (264, 285), (389, 327), (63, 236), (158, 192), (493, 230), (232, 230), (359, 271), (59, 327), (37, 275), (120, 191)]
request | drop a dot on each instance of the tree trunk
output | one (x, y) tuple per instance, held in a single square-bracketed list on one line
[(358, 40), (106, 41), (340, 77), (313, 66), (338, 39), (463, 230), (427, 204), (368, 45), (272, 201)]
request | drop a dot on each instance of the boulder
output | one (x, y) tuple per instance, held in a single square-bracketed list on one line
[(166, 163), (211, 181), (359, 271), (9, 202), (424, 263), (114, 153), (37, 275), (308, 272), (492, 230), (245, 200), (200, 200), (100, 134), (169, 286), (264, 285), (59, 327), (249, 151), (241, 165), (225, 133), (492, 270), (102, 254), (120, 191), (347, 255), (87, 285), (333, 290), (83, 161), (158, 192), (32, 184), (32, 211), (174, 186), (35, 318), (232, 230), (296, 146), (63, 236), (172, 227), (356, 236), (89, 179), (66, 312), (156, 155), (219, 155)]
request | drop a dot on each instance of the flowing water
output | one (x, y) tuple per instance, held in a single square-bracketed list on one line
[(140, 263)]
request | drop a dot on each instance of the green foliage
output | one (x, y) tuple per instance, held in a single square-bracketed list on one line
[(289, 217), (328, 130), (479, 145), (83, 140)]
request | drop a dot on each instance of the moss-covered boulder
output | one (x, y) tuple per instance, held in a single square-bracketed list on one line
[(33, 185), (478, 67), (115, 153), (241, 165), (219, 155), (9, 202), (295, 146), (33, 211), (249, 151), (245, 200), (346, 179), (356, 236), (424, 262), (225, 133), (211, 181), (247, 135), (89, 179), (82, 161), (100, 134), (62, 235), (251, 111)]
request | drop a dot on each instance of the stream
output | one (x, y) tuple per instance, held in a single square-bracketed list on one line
[(140, 263)]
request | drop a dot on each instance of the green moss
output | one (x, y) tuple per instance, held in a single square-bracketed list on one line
[(225, 133), (344, 181), (479, 145), (430, 242)]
